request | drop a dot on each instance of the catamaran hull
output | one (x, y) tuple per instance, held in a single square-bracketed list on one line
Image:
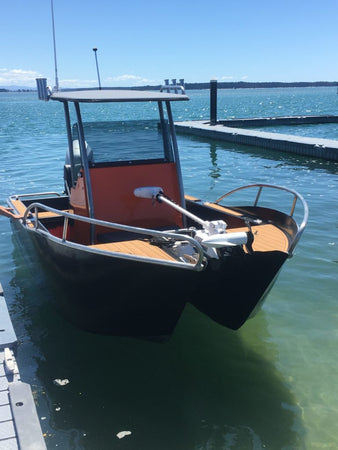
[(234, 290), (110, 296), (120, 297)]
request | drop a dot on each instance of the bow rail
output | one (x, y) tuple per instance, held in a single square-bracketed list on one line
[(296, 197), (31, 216)]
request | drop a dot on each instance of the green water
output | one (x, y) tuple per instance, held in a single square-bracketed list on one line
[(271, 385)]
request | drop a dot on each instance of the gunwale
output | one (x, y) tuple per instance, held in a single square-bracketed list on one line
[(267, 237)]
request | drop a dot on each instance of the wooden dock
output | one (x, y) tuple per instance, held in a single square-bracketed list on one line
[(19, 423), (235, 131)]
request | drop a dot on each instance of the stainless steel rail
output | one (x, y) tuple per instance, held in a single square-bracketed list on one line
[(37, 194), (33, 210), (296, 197)]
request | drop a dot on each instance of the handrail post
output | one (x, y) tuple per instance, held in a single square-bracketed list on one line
[(293, 207), (65, 228), (36, 218), (258, 195)]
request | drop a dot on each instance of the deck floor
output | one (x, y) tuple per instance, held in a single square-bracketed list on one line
[(137, 247), (267, 238)]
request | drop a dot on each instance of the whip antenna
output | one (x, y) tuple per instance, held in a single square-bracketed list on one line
[(97, 67), (55, 63)]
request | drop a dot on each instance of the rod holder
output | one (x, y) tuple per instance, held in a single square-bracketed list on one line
[(43, 90)]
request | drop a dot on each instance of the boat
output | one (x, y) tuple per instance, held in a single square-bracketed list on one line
[(125, 243)]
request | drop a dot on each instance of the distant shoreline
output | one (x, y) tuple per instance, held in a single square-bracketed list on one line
[(17, 90), (220, 85), (270, 84), (251, 85)]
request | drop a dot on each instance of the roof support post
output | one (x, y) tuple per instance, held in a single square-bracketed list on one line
[(69, 136), (165, 134), (85, 165), (176, 155)]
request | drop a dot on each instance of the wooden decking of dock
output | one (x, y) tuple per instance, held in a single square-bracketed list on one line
[(235, 131)]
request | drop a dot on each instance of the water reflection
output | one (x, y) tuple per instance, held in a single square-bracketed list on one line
[(208, 387), (215, 171), (289, 160)]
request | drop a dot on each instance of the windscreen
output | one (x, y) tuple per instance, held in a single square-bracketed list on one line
[(118, 142)]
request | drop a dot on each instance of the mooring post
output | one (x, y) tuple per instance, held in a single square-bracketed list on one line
[(213, 102)]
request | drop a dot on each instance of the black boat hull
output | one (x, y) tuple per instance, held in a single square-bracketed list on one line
[(113, 296), (231, 292)]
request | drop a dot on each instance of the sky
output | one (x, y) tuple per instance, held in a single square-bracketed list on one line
[(142, 42)]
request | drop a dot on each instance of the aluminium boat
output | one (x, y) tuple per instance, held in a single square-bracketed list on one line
[(128, 247)]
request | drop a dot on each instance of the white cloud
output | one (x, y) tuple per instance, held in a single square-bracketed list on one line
[(125, 77), (76, 83), (231, 78), (26, 78), (121, 80), (130, 80), (18, 77)]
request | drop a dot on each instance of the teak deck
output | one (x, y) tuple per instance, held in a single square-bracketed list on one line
[(267, 238), (135, 247)]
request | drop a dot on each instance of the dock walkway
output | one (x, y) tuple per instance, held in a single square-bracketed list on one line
[(234, 131), (19, 424)]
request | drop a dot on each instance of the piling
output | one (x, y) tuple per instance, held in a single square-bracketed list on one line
[(213, 102)]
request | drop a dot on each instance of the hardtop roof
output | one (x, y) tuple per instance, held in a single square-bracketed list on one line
[(115, 95)]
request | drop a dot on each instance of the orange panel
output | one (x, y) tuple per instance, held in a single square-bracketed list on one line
[(114, 199)]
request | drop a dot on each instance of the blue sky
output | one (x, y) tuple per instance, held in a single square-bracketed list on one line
[(142, 42)]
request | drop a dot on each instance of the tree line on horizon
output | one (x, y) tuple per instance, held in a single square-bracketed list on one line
[(220, 85), (248, 84)]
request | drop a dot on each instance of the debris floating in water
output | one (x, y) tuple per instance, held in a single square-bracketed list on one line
[(60, 382), (122, 434)]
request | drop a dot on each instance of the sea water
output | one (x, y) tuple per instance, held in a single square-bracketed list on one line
[(270, 385)]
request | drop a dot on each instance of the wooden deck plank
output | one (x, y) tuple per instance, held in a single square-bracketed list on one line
[(223, 209), (136, 247), (19, 206), (49, 215), (267, 238)]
